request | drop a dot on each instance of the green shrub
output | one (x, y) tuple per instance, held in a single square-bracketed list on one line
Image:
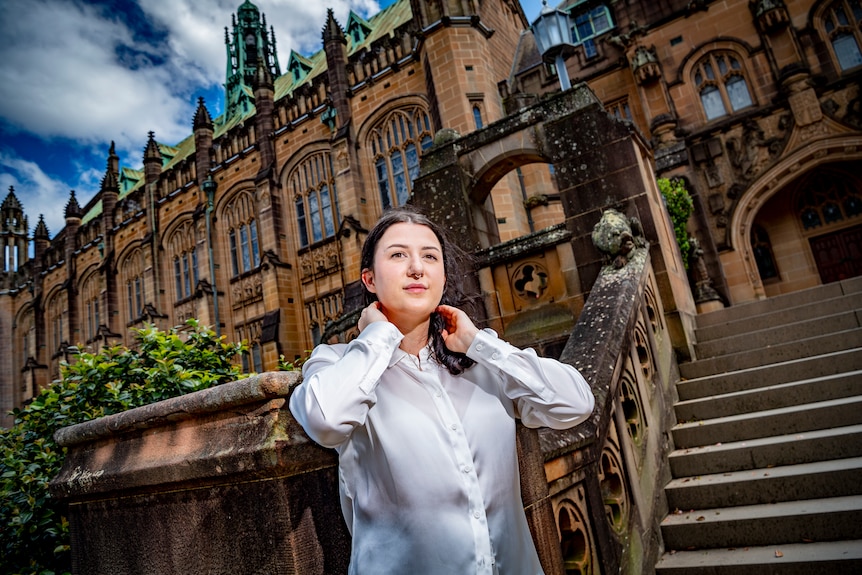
[(34, 539), (680, 206)]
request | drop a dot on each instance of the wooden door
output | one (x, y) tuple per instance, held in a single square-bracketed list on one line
[(839, 254)]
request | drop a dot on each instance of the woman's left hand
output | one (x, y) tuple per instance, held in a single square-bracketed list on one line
[(459, 331)]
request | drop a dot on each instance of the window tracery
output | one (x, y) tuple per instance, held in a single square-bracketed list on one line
[(720, 80), (312, 183), (397, 142), (242, 233), (841, 24), (184, 260)]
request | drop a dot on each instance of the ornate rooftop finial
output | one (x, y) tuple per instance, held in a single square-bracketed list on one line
[(332, 30), (202, 116), (11, 202), (41, 231), (73, 208), (151, 152)]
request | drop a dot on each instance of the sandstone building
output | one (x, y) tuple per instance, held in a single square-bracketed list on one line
[(254, 222)]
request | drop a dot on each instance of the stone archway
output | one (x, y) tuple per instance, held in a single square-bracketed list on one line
[(600, 163), (774, 181)]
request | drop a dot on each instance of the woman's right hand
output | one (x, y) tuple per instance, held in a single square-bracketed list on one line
[(371, 314)]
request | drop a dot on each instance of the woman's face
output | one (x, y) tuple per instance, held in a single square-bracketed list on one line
[(407, 273)]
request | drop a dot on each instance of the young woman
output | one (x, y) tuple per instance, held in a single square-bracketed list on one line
[(421, 408)]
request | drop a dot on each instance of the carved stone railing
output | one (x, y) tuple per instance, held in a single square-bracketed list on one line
[(605, 478), (224, 480)]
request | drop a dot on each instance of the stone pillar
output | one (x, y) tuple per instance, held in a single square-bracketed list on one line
[(603, 163)]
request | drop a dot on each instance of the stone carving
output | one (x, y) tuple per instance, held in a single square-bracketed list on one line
[(750, 152), (612, 479), (616, 236), (576, 539), (530, 281)]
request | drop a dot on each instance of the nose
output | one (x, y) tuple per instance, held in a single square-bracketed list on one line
[(416, 269)]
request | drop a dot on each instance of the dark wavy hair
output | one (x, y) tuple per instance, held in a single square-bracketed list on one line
[(454, 260)]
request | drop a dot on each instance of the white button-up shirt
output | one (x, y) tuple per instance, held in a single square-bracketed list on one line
[(427, 460)]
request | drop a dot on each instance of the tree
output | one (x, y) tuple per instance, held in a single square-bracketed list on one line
[(680, 207), (34, 539)]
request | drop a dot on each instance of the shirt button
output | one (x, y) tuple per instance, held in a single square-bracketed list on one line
[(480, 346), (438, 394), (495, 355), (467, 469), (454, 427), (476, 514)]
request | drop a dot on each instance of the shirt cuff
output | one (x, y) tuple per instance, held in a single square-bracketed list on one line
[(382, 339), (488, 348)]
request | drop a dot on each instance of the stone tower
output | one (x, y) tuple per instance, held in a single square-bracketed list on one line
[(13, 234), (249, 45)]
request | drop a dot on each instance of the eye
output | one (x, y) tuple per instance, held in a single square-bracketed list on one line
[(397, 255), (431, 257)]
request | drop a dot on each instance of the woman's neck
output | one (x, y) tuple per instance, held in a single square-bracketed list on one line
[(415, 337)]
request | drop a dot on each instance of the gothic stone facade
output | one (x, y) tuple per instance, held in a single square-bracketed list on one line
[(253, 224), (756, 105)]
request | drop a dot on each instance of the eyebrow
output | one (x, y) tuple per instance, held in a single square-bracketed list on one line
[(404, 247)]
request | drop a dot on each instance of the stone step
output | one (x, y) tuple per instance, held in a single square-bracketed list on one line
[(773, 374), (752, 337), (823, 558), (781, 302), (805, 447), (837, 477), (782, 421), (830, 519), (806, 312), (771, 397), (838, 341)]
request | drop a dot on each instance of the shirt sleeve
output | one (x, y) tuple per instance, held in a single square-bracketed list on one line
[(546, 392), (338, 388)]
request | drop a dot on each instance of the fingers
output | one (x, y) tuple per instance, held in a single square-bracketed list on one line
[(373, 312)]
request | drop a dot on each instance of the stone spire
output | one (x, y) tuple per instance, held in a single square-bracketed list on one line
[(249, 44), (73, 208), (202, 116), (335, 46), (152, 160), (41, 231)]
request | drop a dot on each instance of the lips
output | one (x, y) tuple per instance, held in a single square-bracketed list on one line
[(415, 288)]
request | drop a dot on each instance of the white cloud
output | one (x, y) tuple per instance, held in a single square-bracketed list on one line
[(39, 193), (71, 70)]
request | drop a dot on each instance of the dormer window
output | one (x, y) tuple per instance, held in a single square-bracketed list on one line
[(357, 28), (589, 24)]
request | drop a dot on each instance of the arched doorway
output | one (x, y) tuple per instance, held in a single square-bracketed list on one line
[(810, 231)]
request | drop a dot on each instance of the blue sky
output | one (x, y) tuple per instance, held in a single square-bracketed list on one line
[(76, 74)]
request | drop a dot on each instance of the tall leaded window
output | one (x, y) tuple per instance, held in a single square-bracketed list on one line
[(841, 22), (185, 260), (90, 293), (590, 23), (133, 278), (720, 81), (242, 234), (763, 256), (313, 186), (397, 143)]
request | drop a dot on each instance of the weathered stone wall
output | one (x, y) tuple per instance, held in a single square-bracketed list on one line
[(221, 481)]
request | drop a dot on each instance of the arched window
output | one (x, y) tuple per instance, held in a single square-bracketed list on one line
[(313, 185), (242, 234), (90, 294), (396, 145), (477, 116), (841, 23), (829, 203), (720, 81), (590, 23), (762, 249), (184, 258), (133, 278)]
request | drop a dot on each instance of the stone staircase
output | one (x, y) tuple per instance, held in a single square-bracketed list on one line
[(767, 467)]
